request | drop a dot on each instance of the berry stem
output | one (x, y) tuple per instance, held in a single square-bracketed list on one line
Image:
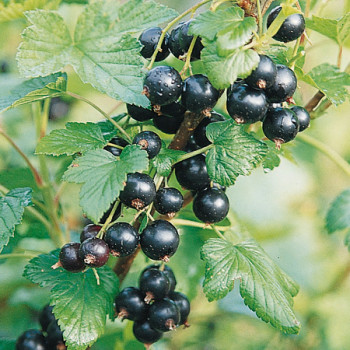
[(188, 58), (96, 275), (260, 17), (266, 7), (218, 232), (295, 54), (116, 146), (108, 221), (194, 153), (184, 222), (17, 255)]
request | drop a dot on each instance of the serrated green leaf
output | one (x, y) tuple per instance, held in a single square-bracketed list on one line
[(103, 177), (80, 305), (265, 288), (108, 129), (11, 211), (272, 159), (234, 152), (338, 215), (34, 90), (77, 137), (165, 159)]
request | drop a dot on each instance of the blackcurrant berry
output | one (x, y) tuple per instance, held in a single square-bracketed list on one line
[(168, 272), (159, 240), (211, 205), (162, 85), (174, 44), (263, 75), (144, 333), (191, 145), (70, 259), (284, 85), (122, 239), (58, 108), (139, 191), (280, 125), (154, 284), (149, 141), (199, 134), (94, 252), (55, 337), (46, 317), (116, 214), (185, 41), (139, 113), (168, 201), (166, 124), (291, 29), (182, 304), (4, 67), (115, 150), (303, 117), (89, 231), (198, 95), (175, 109), (130, 304), (31, 340), (192, 173), (246, 105), (149, 38), (164, 315)]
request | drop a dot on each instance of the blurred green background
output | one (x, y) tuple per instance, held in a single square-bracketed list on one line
[(284, 210)]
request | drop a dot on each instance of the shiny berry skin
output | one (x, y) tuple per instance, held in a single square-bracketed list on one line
[(175, 109), (191, 145), (119, 142), (246, 105), (130, 304), (284, 85), (198, 95), (291, 29), (116, 214), (149, 141), (174, 44), (122, 239), (303, 117), (192, 173), (144, 333), (199, 134), (149, 39), (280, 125), (89, 231), (185, 41), (139, 113), (55, 336), (162, 85), (154, 284), (31, 340), (139, 191), (46, 317), (263, 75), (94, 252), (211, 205), (159, 240), (168, 272), (70, 259), (182, 304), (166, 124), (168, 200), (164, 315)]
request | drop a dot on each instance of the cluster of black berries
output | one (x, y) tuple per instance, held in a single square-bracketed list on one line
[(155, 307), (49, 338)]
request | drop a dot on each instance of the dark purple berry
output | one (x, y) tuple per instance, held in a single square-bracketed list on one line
[(89, 231), (174, 44), (303, 117), (70, 259), (94, 252), (149, 38), (182, 304), (144, 333), (154, 284), (31, 340), (191, 145), (115, 150), (263, 75), (199, 134), (139, 113), (130, 304), (164, 315), (168, 201), (175, 109), (167, 124), (4, 67), (116, 214), (55, 337), (168, 272), (185, 40), (149, 141), (46, 317)]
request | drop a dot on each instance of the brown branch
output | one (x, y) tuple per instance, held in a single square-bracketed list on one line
[(315, 100)]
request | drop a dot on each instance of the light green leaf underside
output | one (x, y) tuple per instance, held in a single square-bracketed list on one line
[(338, 215)]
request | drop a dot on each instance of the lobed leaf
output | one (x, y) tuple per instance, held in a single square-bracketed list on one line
[(338, 215), (165, 159), (272, 159)]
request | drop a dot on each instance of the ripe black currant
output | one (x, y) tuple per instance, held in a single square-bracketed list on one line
[(55, 336), (159, 240), (139, 113), (89, 231), (70, 259), (199, 134), (139, 191), (280, 125), (174, 44), (164, 315), (192, 173), (116, 214), (162, 85), (284, 85), (149, 39), (303, 117), (94, 252), (263, 75), (211, 205), (168, 272), (184, 41), (167, 124), (149, 141), (168, 201), (4, 67), (114, 150), (198, 95), (291, 29), (175, 109), (31, 340), (154, 284), (144, 333), (122, 239), (130, 304), (46, 317), (191, 145), (183, 305)]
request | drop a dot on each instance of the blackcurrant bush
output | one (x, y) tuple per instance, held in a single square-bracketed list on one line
[(94, 252), (168, 272), (149, 38), (280, 125), (122, 239), (139, 113), (291, 29), (168, 201), (58, 108), (263, 75), (167, 124), (130, 304), (174, 44), (154, 284), (116, 214), (70, 259), (115, 150), (46, 317), (89, 231), (192, 173), (55, 337), (159, 240), (283, 86), (303, 117), (149, 141), (164, 315), (198, 95), (144, 333), (182, 304), (185, 40), (162, 85), (31, 340), (139, 191), (211, 205)]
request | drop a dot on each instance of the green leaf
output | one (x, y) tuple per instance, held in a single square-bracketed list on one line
[(265, 288), (80, 305), (165, 160), (34, 90), (108, 129), (77, 137), (272, 159), (338, 215), (11, 211), (103, 177), (234, 153)]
